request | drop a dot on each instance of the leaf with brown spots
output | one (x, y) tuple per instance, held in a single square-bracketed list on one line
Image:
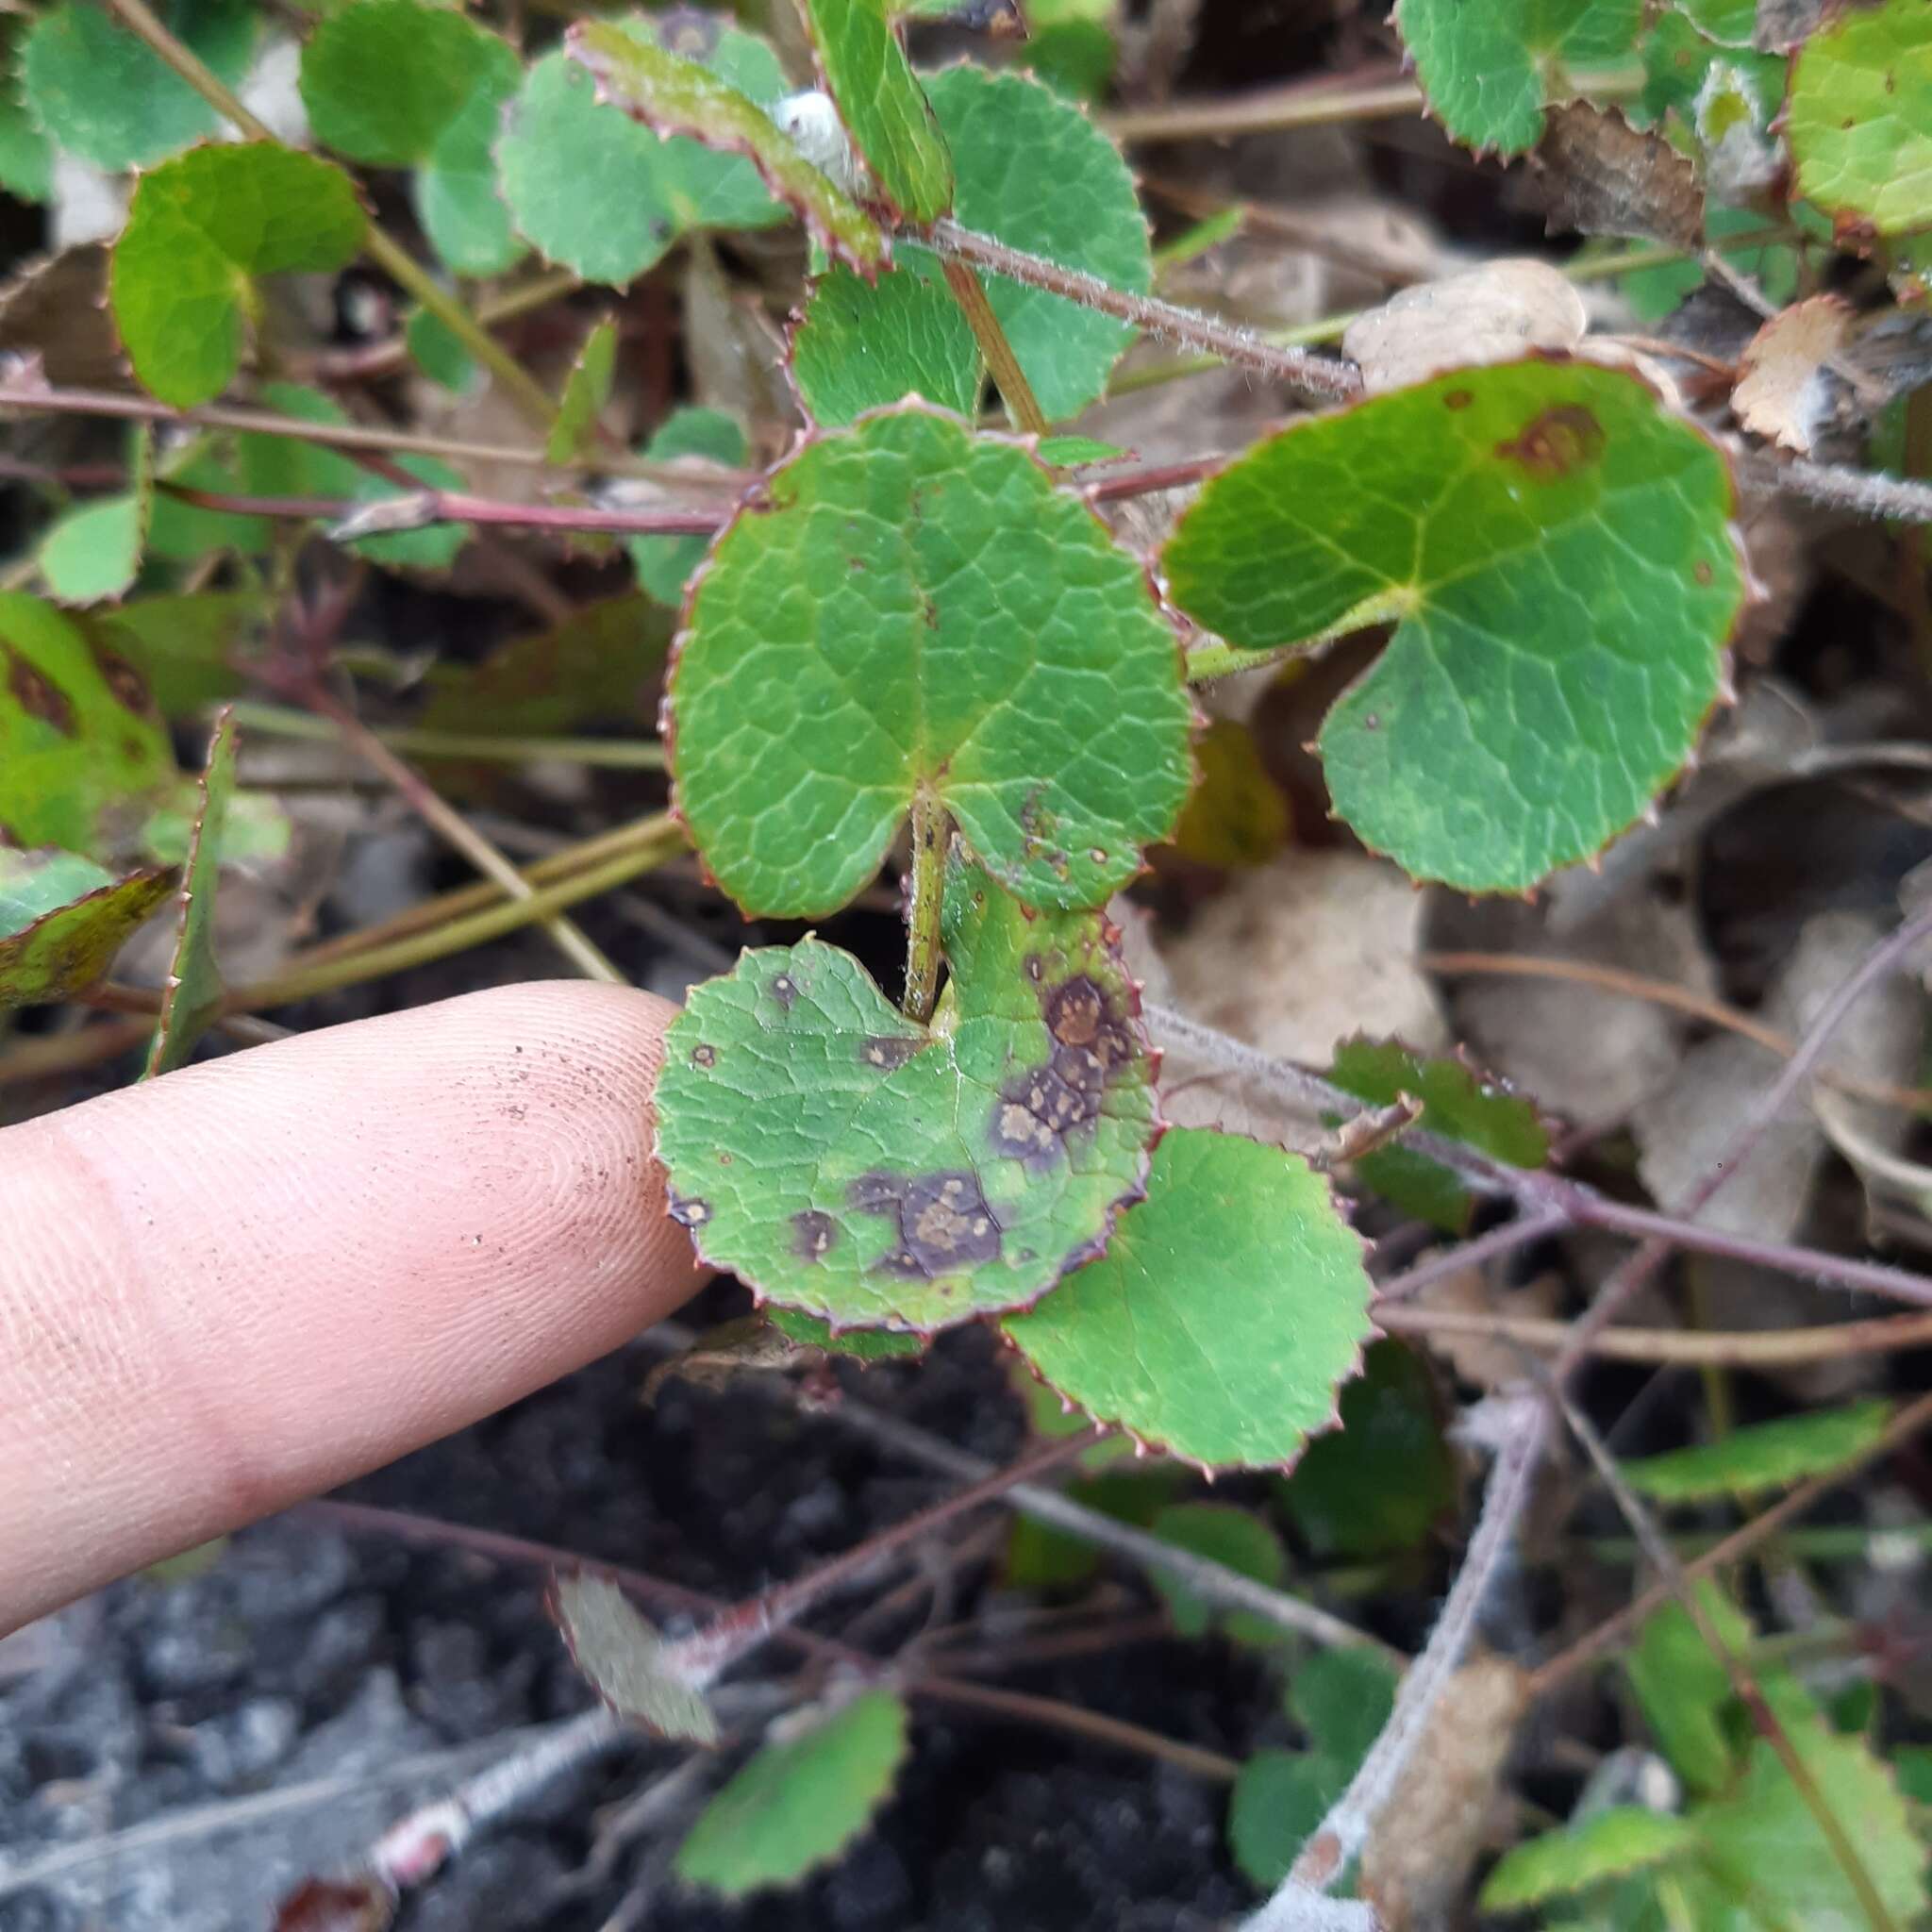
[(1554, 547), (62, 919), (851, 1164), (84, 755), (1602, 177)]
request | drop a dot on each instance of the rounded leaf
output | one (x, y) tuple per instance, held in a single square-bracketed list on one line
[(810, 1790), (628, 1663), (1227, 1310), (846, 1162), (383, 79), (200, 228), (910, 608), (1035, 172), (880, 101), (103, 94), (1555, 551), (1490, 70), (1860, 117)]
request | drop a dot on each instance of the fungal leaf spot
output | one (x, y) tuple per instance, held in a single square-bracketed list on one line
[(1556, 549), (1554, 444), (885, 1175)]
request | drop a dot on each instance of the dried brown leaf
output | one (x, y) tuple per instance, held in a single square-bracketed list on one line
[(1494, 313), (1602, 177), (1785, 393)]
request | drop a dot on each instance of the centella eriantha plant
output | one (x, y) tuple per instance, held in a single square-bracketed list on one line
[(915, 628)]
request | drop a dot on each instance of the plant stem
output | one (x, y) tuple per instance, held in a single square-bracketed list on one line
[(969, 291), (932, 833), (1314, 375), (369, 1520), (1323, 103), (460, 834), (307, 980), (280, 721), (47, 400), (353, 518), (387, 254), (371, 359), (1744, 1685), (1903, 1428), (1522, 1429), (1747, 1348)]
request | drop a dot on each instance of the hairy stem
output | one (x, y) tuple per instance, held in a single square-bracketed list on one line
[(969, 291), (932, 831), (1313, 375), (381, 248)]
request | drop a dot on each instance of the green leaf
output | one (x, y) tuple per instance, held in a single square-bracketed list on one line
[(439, 353), (600, 665), (584, 392), (93, 554), (192, 994), (664, 564), (1765, 1456), (383, 79), (1051, 1418), (1730, 23), (1342, 1699), (1076, 451), (201, 228), (403, 84), (842, 1160), (458, 199), (62, 919), (1556, 552), (27, 155), (1911, 1765), (104, 95), (183, 646), (861, 1344), (82, 750), (629, 1665), (1039, 1556), (1859, 118), (1036, 174), (1458, 1104), (1225, 1534), (1381, 1484), (185, 532), (1683, 1690), (1227, 1306), (810, 1790), (1608, 1844), (1280, 1799), (1489, 71), (880, 101), (908, 608), (1654, 293), (679, 97), (1764, 1838)]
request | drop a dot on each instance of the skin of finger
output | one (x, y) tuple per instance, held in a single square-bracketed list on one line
[(247, 1282)]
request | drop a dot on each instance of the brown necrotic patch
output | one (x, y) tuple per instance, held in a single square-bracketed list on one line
[(689, 1212), (38, 696), (891, 1051), (127, 685), (812, 1234), (1039, 1109), (1562, 439), (943, 1219)]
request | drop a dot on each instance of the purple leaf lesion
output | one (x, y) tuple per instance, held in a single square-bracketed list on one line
[(945, 1224), (1092, 1043)]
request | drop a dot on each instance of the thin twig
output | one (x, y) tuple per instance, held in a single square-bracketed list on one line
[(1744, 1686), (1315, 375), (460, 834), (1864, 492), (968, 294), (1745, 1348), (1332, 101), (1903, 1428), (613, 754), (1681, 999)]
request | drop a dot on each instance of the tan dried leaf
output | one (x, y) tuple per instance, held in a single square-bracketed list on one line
[(1786, 394), (1494, 313), (1602, 177), (1437, 1822)]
